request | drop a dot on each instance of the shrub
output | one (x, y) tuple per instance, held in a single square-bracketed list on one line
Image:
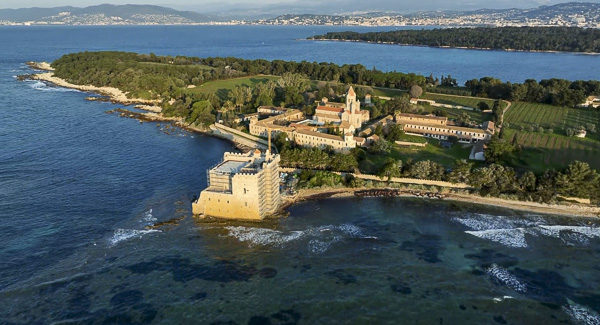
[(570, 132)]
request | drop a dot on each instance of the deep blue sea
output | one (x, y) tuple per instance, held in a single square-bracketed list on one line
[(78, 188)]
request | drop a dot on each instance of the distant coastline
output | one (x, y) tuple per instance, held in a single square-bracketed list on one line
[(449, 47)]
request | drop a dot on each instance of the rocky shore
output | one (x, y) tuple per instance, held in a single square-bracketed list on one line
[(570, 210)]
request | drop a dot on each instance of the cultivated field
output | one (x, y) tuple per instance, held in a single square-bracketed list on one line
[(554, 117), (542, 151)]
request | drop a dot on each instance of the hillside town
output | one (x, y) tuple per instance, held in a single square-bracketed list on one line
[(574, 14)]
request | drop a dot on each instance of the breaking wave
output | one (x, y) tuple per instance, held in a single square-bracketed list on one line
[(318, 240), (512, 232), (125, 234), (503, 276), (508, 237), (39, 85), (581, 314), (148, 218)]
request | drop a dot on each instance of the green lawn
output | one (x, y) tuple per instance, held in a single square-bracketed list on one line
[(454, 113), (387, 92), (459, 101), (222, 87), (433, 151)]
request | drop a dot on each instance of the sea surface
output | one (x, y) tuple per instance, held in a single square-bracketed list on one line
[(78, 188)]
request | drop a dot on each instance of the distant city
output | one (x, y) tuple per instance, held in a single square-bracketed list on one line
[(573, 14)]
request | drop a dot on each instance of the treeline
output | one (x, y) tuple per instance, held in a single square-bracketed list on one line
[(146, 76), (347, 73), (570, 39), (558, 92), (134, 72)]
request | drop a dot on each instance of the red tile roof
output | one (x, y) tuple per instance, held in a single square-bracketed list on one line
[(351, 92), (331, 109)]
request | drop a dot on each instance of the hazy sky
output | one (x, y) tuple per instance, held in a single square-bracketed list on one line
[(343, 5)]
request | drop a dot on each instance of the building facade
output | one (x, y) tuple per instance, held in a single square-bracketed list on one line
[(242, 186), (438, 128), (337, 113), (302, 134)]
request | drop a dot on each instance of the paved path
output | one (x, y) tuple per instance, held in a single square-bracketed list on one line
[(403, 180)]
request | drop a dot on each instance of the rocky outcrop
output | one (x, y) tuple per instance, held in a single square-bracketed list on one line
[(397, 192)]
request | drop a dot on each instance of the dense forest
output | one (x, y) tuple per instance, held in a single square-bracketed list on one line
[(569, 39), (140, 72), (155, 76), (557, 92)]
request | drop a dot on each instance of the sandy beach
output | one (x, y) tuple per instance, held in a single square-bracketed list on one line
[(554, 209)]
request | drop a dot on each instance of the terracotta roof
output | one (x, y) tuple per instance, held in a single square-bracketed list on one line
[(301, 126), (327, 116), (273, 108), (456, 128), (359, 139), (330, 109), (351, 91), (345, 125), (427, 117), (415, 130), (320, 135)]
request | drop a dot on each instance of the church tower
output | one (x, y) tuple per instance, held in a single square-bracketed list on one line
[(351, 103)]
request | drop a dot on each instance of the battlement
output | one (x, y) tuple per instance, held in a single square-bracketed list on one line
[(242, 186)]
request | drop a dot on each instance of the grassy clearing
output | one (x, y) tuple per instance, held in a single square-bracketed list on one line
[(222, 87), (459, 101), (387, 92), (433, 152), (454, 113)]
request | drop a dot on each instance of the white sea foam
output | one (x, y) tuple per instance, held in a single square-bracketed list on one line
[(512, 232), (581, 314), (508, 237), (125, 234), (262, 236), (39, 85), (503, 276), (318, 240), (148, 217)]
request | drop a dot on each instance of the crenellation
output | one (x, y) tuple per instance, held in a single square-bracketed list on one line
[(240, 193)]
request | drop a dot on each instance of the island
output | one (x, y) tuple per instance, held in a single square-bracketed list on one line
[(564, 39), (347, 130)]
